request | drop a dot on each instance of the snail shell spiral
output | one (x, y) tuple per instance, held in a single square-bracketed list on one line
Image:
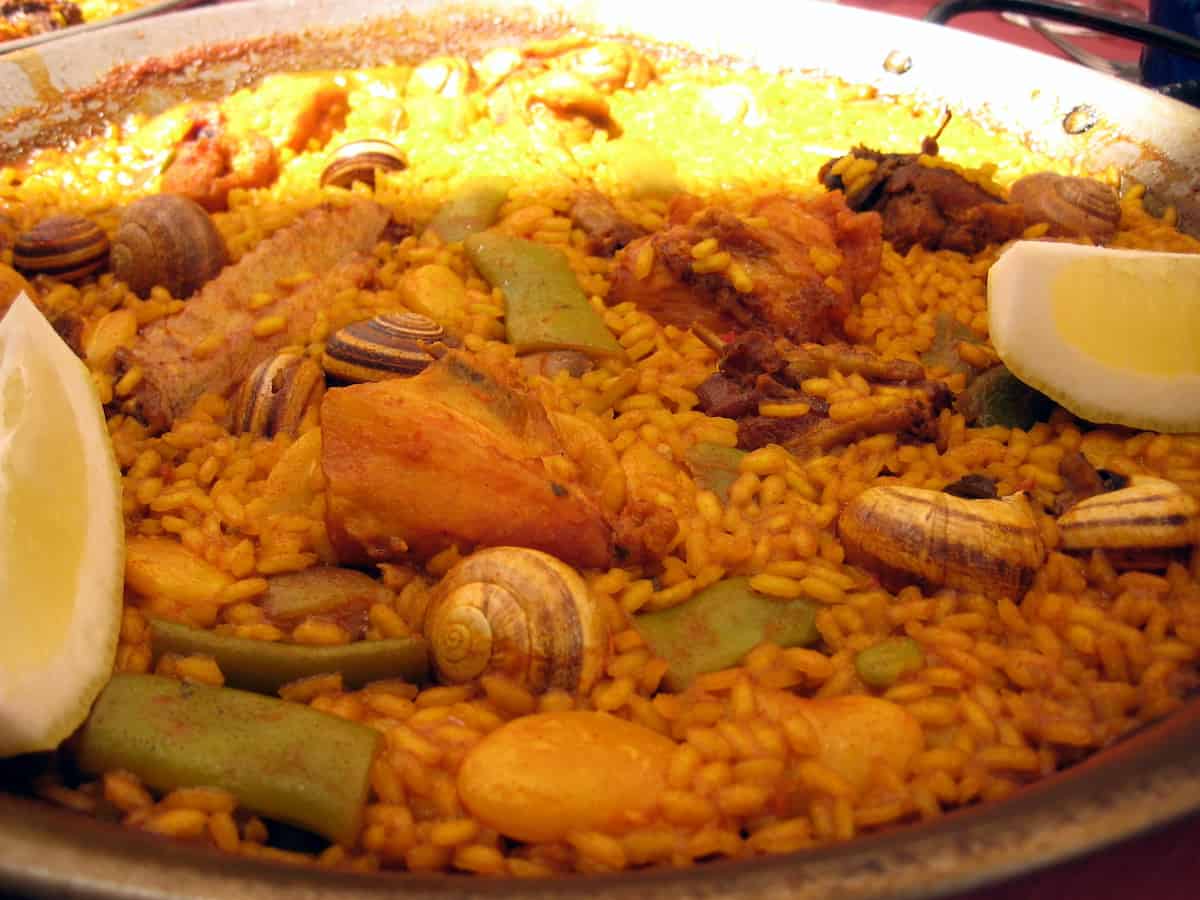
[(517, 612)]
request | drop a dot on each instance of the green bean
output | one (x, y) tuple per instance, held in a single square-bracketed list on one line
[(882, 664), (281, 760), (545, 309), (715, 467), (998, 397), (264, 666), (473, 208), (718, 626)]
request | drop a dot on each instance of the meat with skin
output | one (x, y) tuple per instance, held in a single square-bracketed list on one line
[(804, 263), (607, 230), (333, 243), (928, 205), (451, 457)]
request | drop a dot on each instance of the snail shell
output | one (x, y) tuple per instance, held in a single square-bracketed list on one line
[(517, 612), (359, 161), (1073, 207), (992, 547), (170, 241), (66, 247), (1151, 513), (277, 395), (387, 346)]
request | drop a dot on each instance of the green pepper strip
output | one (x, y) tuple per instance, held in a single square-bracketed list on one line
[(545, 309), (718, 626), (281, 760), (474, 208), (265, 666)]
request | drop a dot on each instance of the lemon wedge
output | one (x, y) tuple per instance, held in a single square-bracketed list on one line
[(62, 542), (1111, 335)]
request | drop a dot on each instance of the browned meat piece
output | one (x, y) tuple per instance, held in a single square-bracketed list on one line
[(939, 209), (915, 417), (815, 360), (25, 18), (792, 266), (926, 204), (213, 159), (973, 487), (725, 398), (453, 456), (757, 431), (1081, 480), (608, 231), (175, 354), (754, 368)]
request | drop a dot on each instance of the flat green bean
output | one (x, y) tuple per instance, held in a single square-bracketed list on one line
[(544, 307), (473, 208), (265, 666), (718, 626), (281, 760)]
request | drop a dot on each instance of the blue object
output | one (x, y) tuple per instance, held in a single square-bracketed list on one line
[(1159, 67)]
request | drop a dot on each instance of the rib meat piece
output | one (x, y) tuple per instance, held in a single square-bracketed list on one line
[(804, 263), (754, 368), (927, 204), (333, 243)]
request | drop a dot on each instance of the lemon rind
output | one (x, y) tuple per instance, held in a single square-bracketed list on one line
[(42, 708), (1025, 338)]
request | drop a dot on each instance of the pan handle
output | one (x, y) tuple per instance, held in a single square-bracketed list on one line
[(1142, 32)]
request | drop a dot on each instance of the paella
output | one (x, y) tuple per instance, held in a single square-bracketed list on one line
[(577, 458)]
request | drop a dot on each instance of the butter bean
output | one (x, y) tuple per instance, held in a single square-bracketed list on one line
[(540, 777), (855, 732)]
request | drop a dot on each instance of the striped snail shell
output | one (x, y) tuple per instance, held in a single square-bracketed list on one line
[(277, 395), (388, 346), (1151, 513), (520, 613), (358, 161), (66, 247), (903, 533), (167, 240)]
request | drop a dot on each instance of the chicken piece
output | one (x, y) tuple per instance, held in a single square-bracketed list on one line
[(211, 159), (915, 417), (174, 354), (793, 267), (452, 457), (607, 230), (925, 203)]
